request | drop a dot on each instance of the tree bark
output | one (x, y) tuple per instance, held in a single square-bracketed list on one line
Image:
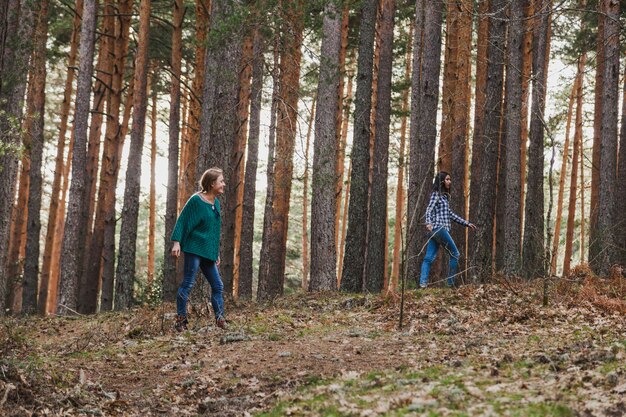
[(219, 122), (488, 140), (152, 214), (271, 278), (620, 192), (171, 209), (306, 264), (375, 271), (102, 247), (238, 158), (607, 216), (534, 261), (76, 221), (355, 243), (323, 202), (511, 246), (125, 271), (249, 196), (54, 209), (424, 99), (36, 108)]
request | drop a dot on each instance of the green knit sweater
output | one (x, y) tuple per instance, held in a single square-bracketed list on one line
[(198, 228)]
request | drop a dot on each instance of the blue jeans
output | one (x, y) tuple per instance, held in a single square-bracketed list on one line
[(209, 269), (440, 237)]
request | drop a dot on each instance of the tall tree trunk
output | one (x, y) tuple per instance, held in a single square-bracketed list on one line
[(594, 239), (486, 144), (342, 214), (271, 157), (36, 108), (375, 271), (54, 210), (76, 221), (620, 192), (578, 136), (152, 215), (530, 22), (110, 217), (607, 216), (479, 114), (271, 278), (125, 271), (344, 225), (511, 246), (171, 209), (249, 196), (400, 192), (534, 261), (306, 266), (582, 191), (102, 247), (323, 203), (564, 162), (238, 155), (219, 124), (355, 244), (341, 103), (89, 281), (424, 99)]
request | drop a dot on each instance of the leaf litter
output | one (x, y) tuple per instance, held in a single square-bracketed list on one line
[(484, 350)]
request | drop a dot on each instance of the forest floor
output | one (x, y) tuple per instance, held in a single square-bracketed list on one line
[(477, 351)]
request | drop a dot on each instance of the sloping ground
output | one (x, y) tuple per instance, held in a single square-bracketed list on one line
[(481, 350)]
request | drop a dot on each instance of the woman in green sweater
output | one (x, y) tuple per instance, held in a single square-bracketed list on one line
[(197, 235)]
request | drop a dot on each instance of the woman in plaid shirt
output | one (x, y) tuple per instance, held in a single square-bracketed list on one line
[(438, 216)]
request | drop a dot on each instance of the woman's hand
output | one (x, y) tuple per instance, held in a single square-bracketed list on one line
[(176, 250), (472, 226), (217, 263), (429, 227)]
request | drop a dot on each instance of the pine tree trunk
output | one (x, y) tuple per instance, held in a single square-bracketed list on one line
[(607, 216), (400, 192), (218, 127), (125, 271), (76, 221), (534, 262), (171, 209), (344, 225), (36, 109), (110, 216), (249, 196), (152, 215), (324, 200), (487, 144), (578, 136), (271, 278), (620, 192), (102, 247), (271, 157), (479, 114), (355, 243), (564, 161), (341, 103), (305, 201), (375, 271), (511, 245), (90, 281), (594, 239), (54, 210), (530, 21), (238, 158), (424, 100)]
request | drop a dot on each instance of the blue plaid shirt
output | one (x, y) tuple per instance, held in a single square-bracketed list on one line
[(438, 212)]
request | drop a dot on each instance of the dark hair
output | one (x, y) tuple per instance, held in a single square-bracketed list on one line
[(209, 177), (439, 183)]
